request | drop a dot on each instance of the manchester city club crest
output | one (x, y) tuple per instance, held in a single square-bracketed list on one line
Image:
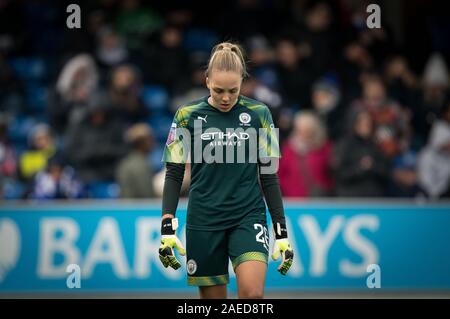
[(191, 267), (245, 118)]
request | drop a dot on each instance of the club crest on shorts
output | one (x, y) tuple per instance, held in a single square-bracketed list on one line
[(172, 132), (191, 266), (245, 118)]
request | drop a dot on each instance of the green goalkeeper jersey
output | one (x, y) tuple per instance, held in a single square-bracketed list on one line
[(224, 149)]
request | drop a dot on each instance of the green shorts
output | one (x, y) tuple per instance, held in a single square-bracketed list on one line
[(208, 252)]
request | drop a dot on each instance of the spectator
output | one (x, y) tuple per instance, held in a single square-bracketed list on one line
[(404, 181), (111, 50), (8, 159), (134, 174), (95, 144), (319, 34), (305, 164), (124, 95), (326, 104), (167, 61), (76, 83), (136, 23), (359, 167), (294, 73), (11, 90), (42, 147), (401, 83), (434, 160), (390, 120), (261, 58), (57, 181), (254, 89), (194, 87), (435, 86), (356, 60)]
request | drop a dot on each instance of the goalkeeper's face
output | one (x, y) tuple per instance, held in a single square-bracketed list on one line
[(224, 87)]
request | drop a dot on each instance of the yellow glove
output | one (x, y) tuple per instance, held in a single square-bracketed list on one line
[(282, 248), (169, 241)]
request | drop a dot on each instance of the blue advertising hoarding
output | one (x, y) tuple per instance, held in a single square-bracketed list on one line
[(338, 246)]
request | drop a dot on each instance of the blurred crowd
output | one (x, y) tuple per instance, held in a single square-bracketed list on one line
[(84, 113)]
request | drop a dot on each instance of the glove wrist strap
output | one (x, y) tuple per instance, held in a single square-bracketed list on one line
[(280, 231), (169, 226)]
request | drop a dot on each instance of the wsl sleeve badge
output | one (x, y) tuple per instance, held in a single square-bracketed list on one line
[(172, 134)]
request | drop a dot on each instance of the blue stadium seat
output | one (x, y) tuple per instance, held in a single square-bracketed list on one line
[(36, 98), (29, 68), (155, 98), (155, 158), (13, 190), (199, 40), (20, 128), (267, 76), (20, 148), (160, 125), (104, 190)]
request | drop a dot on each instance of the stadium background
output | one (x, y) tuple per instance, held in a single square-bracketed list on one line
[(84, 115)]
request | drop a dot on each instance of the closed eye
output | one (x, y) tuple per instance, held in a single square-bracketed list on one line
[(219, 91)]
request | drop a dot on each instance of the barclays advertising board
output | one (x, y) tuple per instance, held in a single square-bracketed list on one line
[(338, 246)]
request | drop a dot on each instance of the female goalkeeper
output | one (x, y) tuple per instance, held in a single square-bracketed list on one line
[(230, 141)]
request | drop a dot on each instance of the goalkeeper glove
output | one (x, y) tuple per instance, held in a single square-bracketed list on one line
[(168, 241), (282, 247)]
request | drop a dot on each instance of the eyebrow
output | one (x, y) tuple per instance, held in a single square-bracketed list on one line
[(219, 88)]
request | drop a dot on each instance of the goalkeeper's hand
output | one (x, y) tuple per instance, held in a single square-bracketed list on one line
[(169, 241), (282, 247)]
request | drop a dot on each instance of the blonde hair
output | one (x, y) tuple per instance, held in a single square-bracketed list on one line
[(227, 56)]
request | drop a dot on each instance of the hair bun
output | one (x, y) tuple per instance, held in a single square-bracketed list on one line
[(226, 61)]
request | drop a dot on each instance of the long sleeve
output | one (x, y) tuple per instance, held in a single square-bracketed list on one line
[(172, 187), (271, 188)]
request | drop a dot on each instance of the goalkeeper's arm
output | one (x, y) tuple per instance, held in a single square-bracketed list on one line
[(172, 188), (271, 188), (169, 224)]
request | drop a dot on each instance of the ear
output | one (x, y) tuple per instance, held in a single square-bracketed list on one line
[(208, 83)]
